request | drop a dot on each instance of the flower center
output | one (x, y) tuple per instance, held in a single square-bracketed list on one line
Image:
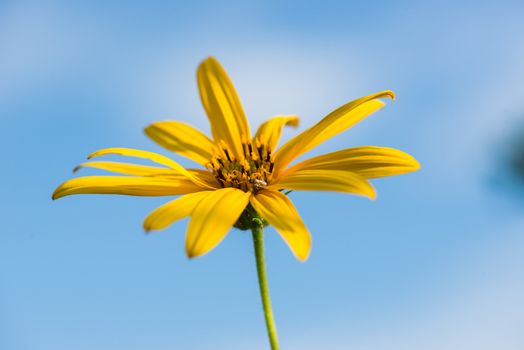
[(251, 174)]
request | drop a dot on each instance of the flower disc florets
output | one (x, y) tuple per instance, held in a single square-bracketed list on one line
[(250, 174)]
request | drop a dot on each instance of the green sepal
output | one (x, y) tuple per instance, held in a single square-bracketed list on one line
[(250, 219)]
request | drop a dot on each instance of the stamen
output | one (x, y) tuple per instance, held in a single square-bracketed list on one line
[(261, 151), (227, 155), (251, 174)]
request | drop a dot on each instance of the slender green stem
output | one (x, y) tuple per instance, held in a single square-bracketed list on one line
[(258, 241)]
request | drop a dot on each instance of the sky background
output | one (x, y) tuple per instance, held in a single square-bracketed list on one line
[(434, 263)]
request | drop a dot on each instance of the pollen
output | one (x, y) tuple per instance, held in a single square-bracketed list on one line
[(251, 174)]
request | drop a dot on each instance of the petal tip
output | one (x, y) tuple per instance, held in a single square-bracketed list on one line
[(294, 122), (149, 227), (372, 194), (416, 164), (56, 194), (191, 255), (210, 58), (411, 163), (191, 252), (149, 131), (303, 258), (206, 61), (153, 125), (390, 94)]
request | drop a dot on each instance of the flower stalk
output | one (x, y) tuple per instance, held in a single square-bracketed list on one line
[(258, 241)]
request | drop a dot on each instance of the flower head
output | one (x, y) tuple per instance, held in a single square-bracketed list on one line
[(243, 176)]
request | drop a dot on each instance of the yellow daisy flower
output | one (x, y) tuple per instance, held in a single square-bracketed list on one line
[(243, 176)]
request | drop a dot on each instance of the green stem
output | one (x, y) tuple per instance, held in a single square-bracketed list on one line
[(258, 241)]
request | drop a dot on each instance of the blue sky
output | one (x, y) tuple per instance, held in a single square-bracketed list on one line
[(434, 263)]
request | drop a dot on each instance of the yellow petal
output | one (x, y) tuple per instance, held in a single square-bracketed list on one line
[(212, 218), (269, 132), (182, 139), (280, 212), (334, 123), (203, 176), (366, 161), (126, 185), (128, 169), (206, 177), (155, 157), (325, 180), (173, 211), (222, 105)]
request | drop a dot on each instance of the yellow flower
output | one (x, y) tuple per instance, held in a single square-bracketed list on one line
[(243, 175)]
